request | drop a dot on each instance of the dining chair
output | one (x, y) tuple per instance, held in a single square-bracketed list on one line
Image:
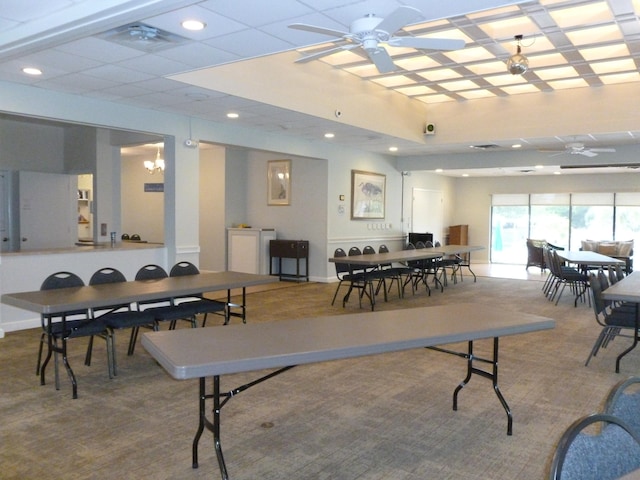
[(58, 328), (607, 454), (416, 274), (623, 401), (393, 273), (117, 317), (200, 303), (360, 279), (614, 322), (163, 310)]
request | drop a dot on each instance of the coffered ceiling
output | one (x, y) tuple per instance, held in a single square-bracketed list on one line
[(570, 44)]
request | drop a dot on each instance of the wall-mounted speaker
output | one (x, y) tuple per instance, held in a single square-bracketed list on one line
[(429, 129)]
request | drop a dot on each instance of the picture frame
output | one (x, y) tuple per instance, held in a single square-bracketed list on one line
[(279, 182), (368, 195)]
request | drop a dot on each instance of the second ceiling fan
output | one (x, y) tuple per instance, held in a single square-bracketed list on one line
[(578, 148), (370, 32)]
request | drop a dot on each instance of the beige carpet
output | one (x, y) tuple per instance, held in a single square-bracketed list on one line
[(382, 417)]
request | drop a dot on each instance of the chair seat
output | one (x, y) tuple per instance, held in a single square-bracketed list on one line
[(120, 320), (204, 305), (174, 312), (78, 328)]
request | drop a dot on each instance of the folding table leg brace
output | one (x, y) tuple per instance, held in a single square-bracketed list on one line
[(219, 400), (471, 369)]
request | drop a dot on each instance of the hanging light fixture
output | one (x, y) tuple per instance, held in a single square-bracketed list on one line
[(155, 166), (518, 64)]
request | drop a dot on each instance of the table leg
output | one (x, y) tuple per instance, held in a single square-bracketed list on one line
[(492, 375), (635, 339)]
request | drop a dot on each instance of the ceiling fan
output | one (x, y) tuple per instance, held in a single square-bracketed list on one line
[(577, 148), (370, 31)]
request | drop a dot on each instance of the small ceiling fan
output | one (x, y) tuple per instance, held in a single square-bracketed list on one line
[(369, 32), (577, 148)]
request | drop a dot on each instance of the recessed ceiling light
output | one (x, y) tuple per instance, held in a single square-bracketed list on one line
[(32, 71), (193, 25), (557, 173), (393, 149), (516, 145), (329, 135), (232, 115), (439, 170), (539, 167), (465, 174)]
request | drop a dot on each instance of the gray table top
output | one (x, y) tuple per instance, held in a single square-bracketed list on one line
[(201, 352), (586, 257), (66, 299), (405, 255), (625, 290)]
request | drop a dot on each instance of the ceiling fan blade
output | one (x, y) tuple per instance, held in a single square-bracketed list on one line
[(320, 30), (399, 18), (427, 43), (586, 153), (382, 60), (603, 150), (324, 53)]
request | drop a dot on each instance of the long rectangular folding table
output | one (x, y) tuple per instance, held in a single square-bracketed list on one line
[(95, 296), (281, 345), (626, 290), (402, 256)]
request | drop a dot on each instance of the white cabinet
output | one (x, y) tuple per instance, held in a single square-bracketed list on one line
[(248, 249)]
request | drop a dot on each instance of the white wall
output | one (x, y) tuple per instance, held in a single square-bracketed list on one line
[(212, 208), (142, 212)]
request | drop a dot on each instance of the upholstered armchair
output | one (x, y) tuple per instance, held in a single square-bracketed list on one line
[(535, 255)]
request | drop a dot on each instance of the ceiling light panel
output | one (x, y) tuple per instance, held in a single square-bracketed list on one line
[(531, 45), (363, 71), (415, 90), (486, 68), (609, 51), (588, 36), (438, 75), (591, 14), (505, 79), (502, 29), (470, 54), (620, 78), (614, 66), (474, 94), (520, 89), (549, 60), (556, 73), (394, 81), (421, 62), (438, 98), (458, 85), (566, 84)]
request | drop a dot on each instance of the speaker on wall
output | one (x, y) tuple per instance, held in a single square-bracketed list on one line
[(429, 129)]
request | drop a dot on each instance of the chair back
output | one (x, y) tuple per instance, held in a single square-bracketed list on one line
[(611, 453), (104, 276), (599, 305), (368, 250), (623, 402), (341, 268), (61, 280), (384, 249), (183, 268), (420, 245), (151, 272), (107, 275)]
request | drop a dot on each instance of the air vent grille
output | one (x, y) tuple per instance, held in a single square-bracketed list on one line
[(143, 37)]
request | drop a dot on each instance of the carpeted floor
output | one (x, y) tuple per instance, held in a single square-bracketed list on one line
[(381, 417)]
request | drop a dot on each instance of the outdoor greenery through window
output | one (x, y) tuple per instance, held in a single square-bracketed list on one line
[(561, 219)]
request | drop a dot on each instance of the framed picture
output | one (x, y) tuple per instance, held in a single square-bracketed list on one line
[(368, 192), (279, 182)]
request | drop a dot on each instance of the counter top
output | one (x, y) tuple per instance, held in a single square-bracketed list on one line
[(81, 247)]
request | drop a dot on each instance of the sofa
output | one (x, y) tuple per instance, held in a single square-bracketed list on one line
[(621, 249)]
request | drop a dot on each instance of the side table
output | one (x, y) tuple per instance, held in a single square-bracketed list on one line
[(298, 249)]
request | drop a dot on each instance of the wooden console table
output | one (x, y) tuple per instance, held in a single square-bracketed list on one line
[(298, 249)]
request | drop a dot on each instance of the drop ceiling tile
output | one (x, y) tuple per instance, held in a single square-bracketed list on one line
[(614, 66), (216, 25), (593, 14), (587, 36), (249, 43)]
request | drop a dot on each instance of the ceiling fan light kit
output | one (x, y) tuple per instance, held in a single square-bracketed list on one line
[(518, 64), (370, 31)]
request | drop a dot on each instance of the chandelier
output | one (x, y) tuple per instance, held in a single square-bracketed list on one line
[(156, 165), (518, 64)]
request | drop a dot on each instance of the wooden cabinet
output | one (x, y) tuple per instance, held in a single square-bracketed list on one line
[(458, 235), (297, 249)]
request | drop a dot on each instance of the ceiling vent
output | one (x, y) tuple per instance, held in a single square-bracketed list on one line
[(143, 37), (485, 147)]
